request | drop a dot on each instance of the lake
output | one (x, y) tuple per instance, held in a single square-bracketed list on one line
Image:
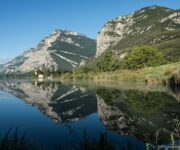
[(132, 116)]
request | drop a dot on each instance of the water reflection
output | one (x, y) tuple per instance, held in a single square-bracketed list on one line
[(148, 114), (62, 103)]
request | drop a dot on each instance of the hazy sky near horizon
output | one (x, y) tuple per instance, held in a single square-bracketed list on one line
[(23, 23)]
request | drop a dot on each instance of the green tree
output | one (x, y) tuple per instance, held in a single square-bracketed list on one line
[(142, 56), (108, 62), (82, 70)]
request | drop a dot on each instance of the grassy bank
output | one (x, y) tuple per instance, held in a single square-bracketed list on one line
[(151, 75)]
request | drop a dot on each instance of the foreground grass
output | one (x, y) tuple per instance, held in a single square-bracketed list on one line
[(14, 141), (154, 75)]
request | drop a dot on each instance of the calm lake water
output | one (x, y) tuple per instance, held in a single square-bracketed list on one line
[(133, 116)]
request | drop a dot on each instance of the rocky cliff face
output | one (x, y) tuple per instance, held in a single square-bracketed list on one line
[(112, 32), (62, 50), (150, 25)]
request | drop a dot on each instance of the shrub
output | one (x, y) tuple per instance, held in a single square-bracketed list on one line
[(108, 62), (142, 56), (81, 70)]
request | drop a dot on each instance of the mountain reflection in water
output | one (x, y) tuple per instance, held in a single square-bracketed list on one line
[(144, 116), (62, 103)]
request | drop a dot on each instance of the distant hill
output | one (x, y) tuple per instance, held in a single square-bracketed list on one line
[(62, 50)]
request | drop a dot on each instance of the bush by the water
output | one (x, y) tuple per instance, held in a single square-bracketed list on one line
[(143, 56), (136, 58), (82, 70), (109, 62)]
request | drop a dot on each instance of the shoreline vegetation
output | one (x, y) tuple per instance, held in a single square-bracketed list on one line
[(168, 74), (143, 63), (163, 74)]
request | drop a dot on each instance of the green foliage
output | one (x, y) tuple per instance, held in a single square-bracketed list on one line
[(108, 62), (151, 75), (171, 49), (141, 101), (146, 102), (82, 70), (108, 95), (147, 29), (136, 58), (143, 56)]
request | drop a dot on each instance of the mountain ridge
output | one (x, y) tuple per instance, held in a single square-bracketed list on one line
[(62, 50), (154, 25)]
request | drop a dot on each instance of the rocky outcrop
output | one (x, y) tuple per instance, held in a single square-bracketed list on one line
[(149, 25), (113, 32)]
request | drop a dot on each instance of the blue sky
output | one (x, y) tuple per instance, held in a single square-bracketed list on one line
[(23, 23)]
